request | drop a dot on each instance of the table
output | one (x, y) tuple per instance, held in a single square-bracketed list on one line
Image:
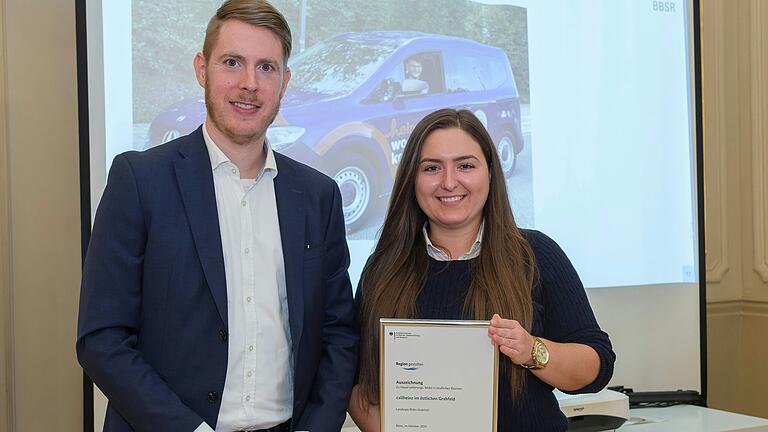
[(691, 418), (679, 418)]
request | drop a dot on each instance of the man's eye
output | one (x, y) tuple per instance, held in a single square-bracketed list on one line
[(266, 67), (230, 62)]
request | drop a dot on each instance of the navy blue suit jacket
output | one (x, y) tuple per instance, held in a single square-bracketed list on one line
[(152, 328)]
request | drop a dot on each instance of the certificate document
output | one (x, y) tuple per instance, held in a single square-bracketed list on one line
[(437, 376)]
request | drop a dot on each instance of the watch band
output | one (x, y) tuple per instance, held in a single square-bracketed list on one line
[(536, 363)]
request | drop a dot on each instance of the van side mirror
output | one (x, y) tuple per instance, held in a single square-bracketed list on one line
[(387, 90)]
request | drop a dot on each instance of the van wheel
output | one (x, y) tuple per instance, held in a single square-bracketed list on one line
[(356, 181), (507, 154), (170, 135)]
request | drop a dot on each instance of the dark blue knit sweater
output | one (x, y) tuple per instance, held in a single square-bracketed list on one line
[(561, 313)]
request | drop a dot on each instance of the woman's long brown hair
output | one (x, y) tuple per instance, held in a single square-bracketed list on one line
[(397, 270)]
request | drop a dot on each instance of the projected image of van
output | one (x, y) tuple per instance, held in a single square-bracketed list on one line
[(354, 98)]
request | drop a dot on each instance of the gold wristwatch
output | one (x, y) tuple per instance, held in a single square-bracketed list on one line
[(539, 355)]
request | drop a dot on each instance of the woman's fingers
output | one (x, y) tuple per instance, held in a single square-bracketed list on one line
[(513, 340)]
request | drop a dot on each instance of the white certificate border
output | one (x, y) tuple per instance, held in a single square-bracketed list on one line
[(384, 322)]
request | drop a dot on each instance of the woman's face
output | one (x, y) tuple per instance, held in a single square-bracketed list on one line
[(452, 181)]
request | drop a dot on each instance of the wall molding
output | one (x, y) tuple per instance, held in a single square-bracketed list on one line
[(715, 159), (736, 127), (6, 311), (759, 68), (724, 307), (740, 307), (47, 381), (755, 308)]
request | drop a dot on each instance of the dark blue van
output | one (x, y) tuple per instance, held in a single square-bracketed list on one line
[(353, 100)]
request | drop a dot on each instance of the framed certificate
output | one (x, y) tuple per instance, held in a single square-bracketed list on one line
[(437, 376)]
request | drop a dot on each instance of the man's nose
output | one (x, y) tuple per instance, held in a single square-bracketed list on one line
[(249, 80)]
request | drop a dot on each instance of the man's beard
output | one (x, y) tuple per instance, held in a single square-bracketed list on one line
[(231, 134)]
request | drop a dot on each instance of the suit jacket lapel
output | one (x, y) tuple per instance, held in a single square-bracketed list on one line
[(291, 212), (195, 178)]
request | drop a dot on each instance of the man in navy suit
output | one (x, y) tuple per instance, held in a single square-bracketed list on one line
[(215, 292)]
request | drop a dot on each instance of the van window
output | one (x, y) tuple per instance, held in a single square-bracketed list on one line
[(338, 67), (474, 73)]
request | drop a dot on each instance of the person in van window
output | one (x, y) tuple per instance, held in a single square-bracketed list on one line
[(414, 82)]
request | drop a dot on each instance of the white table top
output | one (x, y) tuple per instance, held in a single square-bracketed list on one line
[(679, 418), (691, 418)]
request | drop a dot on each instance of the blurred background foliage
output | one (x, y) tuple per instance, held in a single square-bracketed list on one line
[(167, 34)]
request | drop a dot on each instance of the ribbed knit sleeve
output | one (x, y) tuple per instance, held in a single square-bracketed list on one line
[(567, 315)]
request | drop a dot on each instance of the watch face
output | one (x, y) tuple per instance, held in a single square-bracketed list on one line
[(542, 355)]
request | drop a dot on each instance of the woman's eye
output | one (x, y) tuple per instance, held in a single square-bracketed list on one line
[(466, 166), (431, 168)]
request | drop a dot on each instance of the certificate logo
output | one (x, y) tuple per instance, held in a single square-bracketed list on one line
[(409, 366), (395, 335)]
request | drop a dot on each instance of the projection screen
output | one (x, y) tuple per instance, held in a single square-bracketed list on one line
[(592, 105)]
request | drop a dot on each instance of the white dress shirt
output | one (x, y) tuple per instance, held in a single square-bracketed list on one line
[(440, 255), (258, 391)]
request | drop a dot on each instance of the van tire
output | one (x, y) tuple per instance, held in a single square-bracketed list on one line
[(506, 149), (357, 182)]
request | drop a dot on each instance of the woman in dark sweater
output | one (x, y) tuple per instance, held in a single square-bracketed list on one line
[(449, 249)]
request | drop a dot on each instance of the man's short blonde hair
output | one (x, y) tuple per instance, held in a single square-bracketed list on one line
[(255, 12)]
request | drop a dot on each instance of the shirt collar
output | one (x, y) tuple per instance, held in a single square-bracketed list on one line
[(218, 157), (440, 255)]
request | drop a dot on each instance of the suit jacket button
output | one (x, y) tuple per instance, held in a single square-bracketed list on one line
[(212, 396), (223, 335)]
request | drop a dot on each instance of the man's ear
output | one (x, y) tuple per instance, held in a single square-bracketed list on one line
[(199, 65), (286, 78)]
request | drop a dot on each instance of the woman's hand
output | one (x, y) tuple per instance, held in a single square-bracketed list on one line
[(513, 340), (571, 366)]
